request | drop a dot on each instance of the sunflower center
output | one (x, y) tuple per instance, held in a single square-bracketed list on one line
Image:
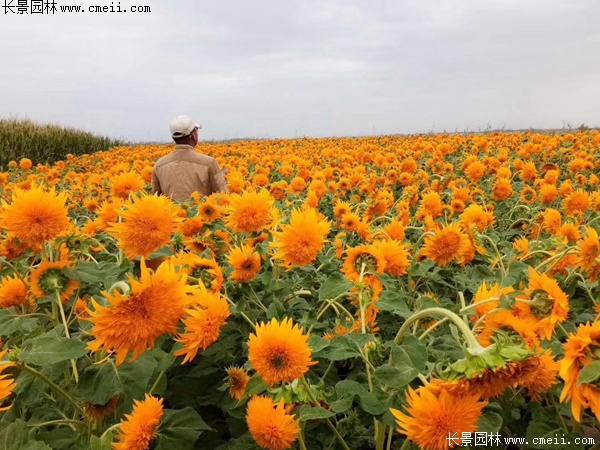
[(278, 362), (369, 262), (541, 304), (247, 265), (53, 279)]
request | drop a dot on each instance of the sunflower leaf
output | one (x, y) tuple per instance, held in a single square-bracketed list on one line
[(306, 412), (180, 429), (589, 373), (395, 377), (336, 284), (10, 322), (345, 346), (47, 350)]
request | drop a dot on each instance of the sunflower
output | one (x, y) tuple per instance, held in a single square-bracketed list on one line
[(210, 211), (548, 303), (528, 195), (245, 262), (270, 425), (365, 259), (191, 226), (298, 243), (580, 351), (349, 222), (485, 293), (122, 185), (249, 211), (552, 220), (431, 204), (548, 194), (446, 245), (521, 245), (279, 352), (7, 384), (577, 203), (201, 270), (133, 322), (476, 216), (341, 208), (507, 321), (588, 250), (395, 255), (238, 380), (394, 230), (13, 292), (95, 412), (570, 232), (139, 428), (544, 376), (431, 417), (148, 224), (203, 324), (48, 277), (35, 216)]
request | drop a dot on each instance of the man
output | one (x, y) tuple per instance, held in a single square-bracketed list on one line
[(184, 170)]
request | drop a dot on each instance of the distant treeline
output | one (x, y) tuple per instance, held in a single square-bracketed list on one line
[(46, 143)]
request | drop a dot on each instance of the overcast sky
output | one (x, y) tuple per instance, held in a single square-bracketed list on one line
[(305, 68)]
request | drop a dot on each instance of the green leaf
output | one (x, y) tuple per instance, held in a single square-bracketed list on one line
[(394, 302), (589, 373), (180, 429), (99, 383), (317, 343), (336, 284), (347, 391), (16, 437), (394, 377), (47, 350), (101, 444), (10, 322), (345, 346), (306, 412), (416, 351), (489, 422)]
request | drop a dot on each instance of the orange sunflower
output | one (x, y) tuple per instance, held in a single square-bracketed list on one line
[(250, 211), (148, 224), (577, 203), (35, 216), (133, 322), (299, 242), (588, 250), (238, 380), (581, 350), (7, 384), (279, 352), (548, 303), (201, 270), (48, 277), (270, 425), (122, 185), (210, 211), (446, 245), (365, 258), (139, 428), (245, 262), (203, 324), (432, 416), (395, 255), (13, 292)]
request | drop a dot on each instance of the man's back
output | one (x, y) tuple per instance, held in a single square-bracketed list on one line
[(184, 171)]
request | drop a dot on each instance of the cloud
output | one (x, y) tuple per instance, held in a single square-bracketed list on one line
[(318, 68)]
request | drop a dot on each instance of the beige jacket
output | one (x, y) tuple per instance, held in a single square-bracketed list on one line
[(184, 171)]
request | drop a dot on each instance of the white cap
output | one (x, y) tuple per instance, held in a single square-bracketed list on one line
[(182, 126)]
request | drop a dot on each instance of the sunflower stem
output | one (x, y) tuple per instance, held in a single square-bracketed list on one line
[(66, 325), (56, 388), (495, 247), (242, 314), (301, 439), (111, 429), (14, 269), (58, 422), (433, 327), (311, 395), (157, 382), (472, 345), (390, 437), (474, 305)]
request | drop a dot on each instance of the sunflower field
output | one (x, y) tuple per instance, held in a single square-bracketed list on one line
[(399, 292)]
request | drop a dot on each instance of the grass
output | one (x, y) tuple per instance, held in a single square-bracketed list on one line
[(46, 143)]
